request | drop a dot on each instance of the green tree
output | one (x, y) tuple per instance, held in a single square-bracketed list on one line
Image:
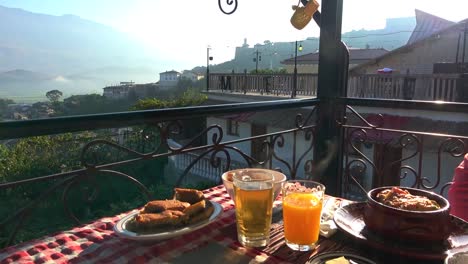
[(132, 95), (269, 71), (93, 104), (4, 106), (45, 155), (54, 95)]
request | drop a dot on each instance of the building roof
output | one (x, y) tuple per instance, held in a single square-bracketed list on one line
[(426, 25), (191, 72), (170, 72), (356, 56), (413, 44)]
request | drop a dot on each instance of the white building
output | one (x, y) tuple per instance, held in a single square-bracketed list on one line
[(118, 91), (168, 79)]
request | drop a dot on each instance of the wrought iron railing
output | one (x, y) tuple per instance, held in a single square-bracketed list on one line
[(166, 124), (412, 149), (367, 141)]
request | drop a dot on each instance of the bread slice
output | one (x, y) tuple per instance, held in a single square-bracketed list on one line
[(191, 196), (168, 217), (159, 206), (203, 215), (195, 208)]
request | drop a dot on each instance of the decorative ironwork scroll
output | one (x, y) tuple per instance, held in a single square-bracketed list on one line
[(413, 154), (231, 3), (105, 157)]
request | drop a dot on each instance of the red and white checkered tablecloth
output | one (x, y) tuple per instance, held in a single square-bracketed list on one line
[(97, 243)]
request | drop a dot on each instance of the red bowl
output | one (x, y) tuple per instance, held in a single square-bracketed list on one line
[(391, 222)]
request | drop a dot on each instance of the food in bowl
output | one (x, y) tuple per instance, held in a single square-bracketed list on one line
[(278, 179), (404, 224), (403, 199)]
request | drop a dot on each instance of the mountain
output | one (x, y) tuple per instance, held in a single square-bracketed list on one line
[(65, 49), (22, 75), (396, 33)]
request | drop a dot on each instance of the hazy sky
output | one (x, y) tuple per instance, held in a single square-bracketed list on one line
[(181, 30)]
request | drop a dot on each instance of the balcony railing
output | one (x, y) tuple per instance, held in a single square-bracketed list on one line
[(109, 156), (374, 154), (273, 84), (425, 87)]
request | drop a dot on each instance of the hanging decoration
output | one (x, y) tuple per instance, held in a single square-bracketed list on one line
[(303, 14)]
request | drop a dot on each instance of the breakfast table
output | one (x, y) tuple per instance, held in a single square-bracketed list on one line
[(215, 242)]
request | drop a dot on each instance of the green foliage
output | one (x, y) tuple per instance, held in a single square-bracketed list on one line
[(39, 156), (47, 155), (269, 71), (54, 95), (185, 84), (92, 104), (190, 97), (4, 106)]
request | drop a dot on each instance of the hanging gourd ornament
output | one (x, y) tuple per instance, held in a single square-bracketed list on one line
[(303, 14)]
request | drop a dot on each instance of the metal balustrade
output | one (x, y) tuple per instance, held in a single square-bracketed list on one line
[(424, 87), (363, 167)]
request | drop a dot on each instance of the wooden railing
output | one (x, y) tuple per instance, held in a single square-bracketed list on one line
[(443, 87)]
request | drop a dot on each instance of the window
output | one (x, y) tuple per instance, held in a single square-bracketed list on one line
[(232, 127)]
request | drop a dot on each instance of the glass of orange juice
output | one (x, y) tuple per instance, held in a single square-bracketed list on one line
[(253, 198), (302, 209)]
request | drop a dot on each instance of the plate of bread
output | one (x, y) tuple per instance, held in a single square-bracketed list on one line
[(189, 210)]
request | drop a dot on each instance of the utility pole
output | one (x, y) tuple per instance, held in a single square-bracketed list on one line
[(208, 58), (293, 93)]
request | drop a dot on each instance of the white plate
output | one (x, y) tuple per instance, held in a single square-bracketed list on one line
[(120, 227)]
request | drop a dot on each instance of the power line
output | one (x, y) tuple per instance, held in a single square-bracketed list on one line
[(383, 34)]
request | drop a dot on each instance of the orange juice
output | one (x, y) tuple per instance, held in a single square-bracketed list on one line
[(301, 216)]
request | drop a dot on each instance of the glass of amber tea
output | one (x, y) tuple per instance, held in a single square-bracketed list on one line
[(253, 198), (302, 209)]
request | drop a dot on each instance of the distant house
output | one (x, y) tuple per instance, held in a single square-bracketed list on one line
[(118, 91), (131, 90), (434, 40), (308, 63), (168, 79), (193, 76)]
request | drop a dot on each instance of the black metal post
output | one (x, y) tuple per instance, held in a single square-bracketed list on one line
[(332, 79), (293, 93), (464, 42), (207, 68)]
